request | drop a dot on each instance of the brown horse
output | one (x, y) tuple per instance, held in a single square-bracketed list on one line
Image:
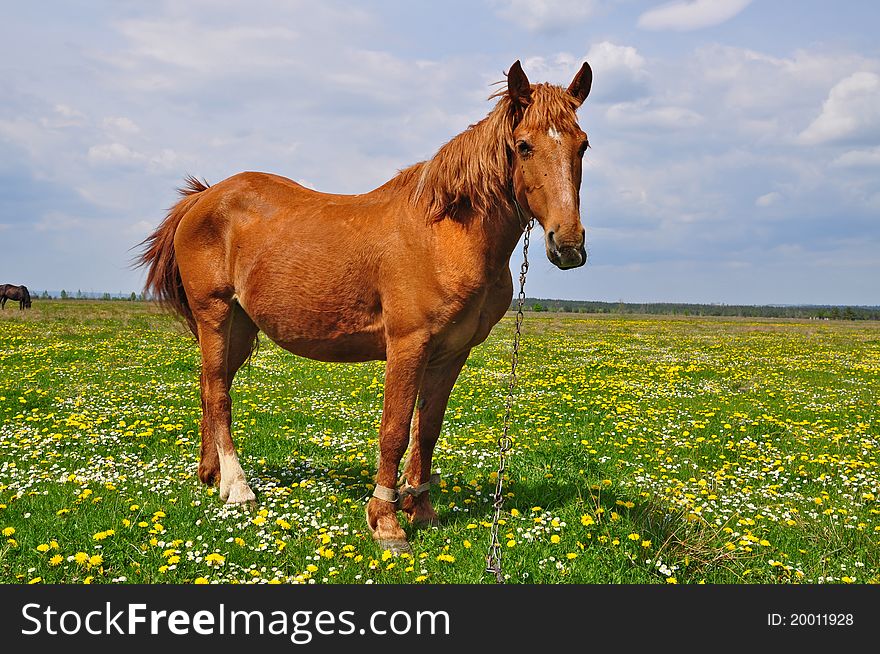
[(17, 293), (415, 272)]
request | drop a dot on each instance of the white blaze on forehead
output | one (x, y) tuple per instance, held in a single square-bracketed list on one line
[(554, 134)]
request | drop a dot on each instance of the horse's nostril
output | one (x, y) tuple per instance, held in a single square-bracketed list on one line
[(550, 237)]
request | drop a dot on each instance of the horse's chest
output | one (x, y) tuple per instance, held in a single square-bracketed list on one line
[(471, 324)]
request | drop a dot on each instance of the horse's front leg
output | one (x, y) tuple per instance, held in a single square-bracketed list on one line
[(403, 375), (433, 397)]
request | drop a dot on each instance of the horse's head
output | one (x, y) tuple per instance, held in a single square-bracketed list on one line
[(548, 148)]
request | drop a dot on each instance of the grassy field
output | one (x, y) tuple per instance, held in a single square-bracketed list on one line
[(647, 451)]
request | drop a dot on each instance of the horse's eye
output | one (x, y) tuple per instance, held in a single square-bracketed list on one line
[(583, 148), (524, 148)]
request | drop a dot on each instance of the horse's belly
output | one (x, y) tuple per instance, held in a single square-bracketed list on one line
[(350, 348), (325, 335)]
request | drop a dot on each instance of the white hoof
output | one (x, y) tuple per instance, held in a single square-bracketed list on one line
[(238, 493)]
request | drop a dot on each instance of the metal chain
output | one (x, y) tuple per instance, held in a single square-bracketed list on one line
[(505, 442)]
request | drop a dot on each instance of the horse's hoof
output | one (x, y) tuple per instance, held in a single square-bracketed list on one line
[(240, 493), (210, 477), (395, 545)]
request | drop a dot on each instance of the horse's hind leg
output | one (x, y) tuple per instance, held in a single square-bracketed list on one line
[(215, 322), (242, 333)]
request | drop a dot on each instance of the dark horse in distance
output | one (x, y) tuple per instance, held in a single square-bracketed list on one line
[(18, 293), (415, 272)]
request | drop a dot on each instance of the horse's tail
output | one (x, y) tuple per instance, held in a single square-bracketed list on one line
[(163, 273)]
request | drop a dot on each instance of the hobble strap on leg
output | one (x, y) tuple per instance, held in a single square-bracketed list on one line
[(415, 491), (390, 495)]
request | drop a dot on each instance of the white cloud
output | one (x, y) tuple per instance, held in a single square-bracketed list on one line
[(121, 124), (113, 153), (852, 111), (55, 221), (619, 71), (546, 15), (643, 114), (768, 199), (686, 15), (63, 116), (858, 159), (208, 51)]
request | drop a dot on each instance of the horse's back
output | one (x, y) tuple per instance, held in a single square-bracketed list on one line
[(303, 265)]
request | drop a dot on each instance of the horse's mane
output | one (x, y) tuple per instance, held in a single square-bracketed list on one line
[(470, 175)]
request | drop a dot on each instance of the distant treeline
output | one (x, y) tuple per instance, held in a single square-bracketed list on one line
[(815, 312), (88, 295)]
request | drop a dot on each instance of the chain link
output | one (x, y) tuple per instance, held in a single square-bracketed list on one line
[(505, 442)]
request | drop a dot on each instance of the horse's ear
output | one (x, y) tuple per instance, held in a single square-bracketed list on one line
[(518, 87), (580, 85)]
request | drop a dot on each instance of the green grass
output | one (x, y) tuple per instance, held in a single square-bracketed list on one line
[(647, 450)]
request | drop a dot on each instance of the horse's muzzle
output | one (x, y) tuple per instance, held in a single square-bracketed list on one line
[(567, 257)]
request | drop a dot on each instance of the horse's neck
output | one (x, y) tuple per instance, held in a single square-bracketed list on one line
[(499, 234)]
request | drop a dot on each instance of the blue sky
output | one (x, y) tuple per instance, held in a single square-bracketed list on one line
[(735, 145)]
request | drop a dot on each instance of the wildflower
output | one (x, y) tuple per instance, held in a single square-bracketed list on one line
[(96, 560), (447, 558), (587, 520), (42, 547), (81, 557), (634, 537), (215, 559), (671, 580), (8, 531), (56, 560), (200, 580)]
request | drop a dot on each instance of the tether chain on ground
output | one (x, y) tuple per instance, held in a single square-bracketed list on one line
[(505, 442)]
